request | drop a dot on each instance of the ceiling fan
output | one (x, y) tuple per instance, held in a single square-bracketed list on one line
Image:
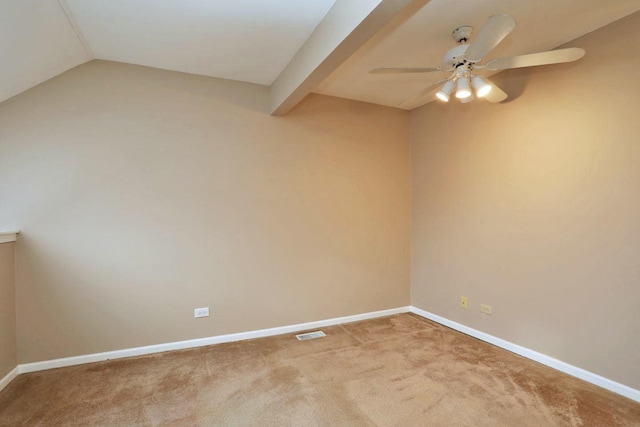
[(463, 59)]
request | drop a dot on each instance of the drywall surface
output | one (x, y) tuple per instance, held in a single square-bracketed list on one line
[(532, 207), (142, 194), (8, 343)]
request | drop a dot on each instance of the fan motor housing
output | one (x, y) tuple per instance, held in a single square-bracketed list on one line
[(462, 34), (454, 56)]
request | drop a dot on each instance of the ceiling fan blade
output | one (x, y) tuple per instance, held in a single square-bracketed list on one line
[(540, 58), (422, 93), (404, 70), (492, 32), (495, 94)]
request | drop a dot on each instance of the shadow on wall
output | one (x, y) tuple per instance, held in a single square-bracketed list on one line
[(514, 82)]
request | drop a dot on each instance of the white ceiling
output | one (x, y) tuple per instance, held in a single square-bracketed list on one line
[(246, 40), (254, 40), (36, 43)]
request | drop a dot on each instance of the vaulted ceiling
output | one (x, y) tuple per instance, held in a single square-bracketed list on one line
[(293, 46)]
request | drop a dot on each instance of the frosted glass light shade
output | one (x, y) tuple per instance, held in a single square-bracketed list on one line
[(464, 90), (481, 86), (469, 98), (444, 93)]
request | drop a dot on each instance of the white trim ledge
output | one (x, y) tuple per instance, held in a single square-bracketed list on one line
[(9, 377), (200, 342), (574, 371), (8, 236)]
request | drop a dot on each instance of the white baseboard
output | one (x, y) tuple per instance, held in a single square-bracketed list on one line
[(179, 345), (590, 377), (200, 342), (9, 377)]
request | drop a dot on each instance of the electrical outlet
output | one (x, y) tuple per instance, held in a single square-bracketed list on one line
[(463, 302), (486, 309), (201, 312)]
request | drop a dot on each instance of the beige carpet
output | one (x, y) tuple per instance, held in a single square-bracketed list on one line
[(395, 371)]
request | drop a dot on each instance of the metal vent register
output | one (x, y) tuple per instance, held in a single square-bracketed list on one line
[(311, 335)]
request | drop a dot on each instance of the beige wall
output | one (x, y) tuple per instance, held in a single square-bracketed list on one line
[(533, 207), (8, 346), (142, 194)]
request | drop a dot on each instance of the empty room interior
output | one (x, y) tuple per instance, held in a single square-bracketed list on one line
[(447, 192)]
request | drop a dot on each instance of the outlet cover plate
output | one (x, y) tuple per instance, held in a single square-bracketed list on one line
[(486, 309), (201, 312), (463, 302)]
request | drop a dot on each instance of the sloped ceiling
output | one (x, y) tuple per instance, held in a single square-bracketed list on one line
[(36, 43), (246, 40), (272, 42)]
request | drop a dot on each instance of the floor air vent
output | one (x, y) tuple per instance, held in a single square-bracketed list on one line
[(311, 335)]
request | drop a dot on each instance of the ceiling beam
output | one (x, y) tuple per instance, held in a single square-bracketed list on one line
[(346, 27), (75, 27)]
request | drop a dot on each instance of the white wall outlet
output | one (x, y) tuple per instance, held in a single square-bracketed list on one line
[(463, 302), (486, 309), (201, 312)]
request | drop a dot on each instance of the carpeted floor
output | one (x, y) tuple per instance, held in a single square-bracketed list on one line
[(395, 371)]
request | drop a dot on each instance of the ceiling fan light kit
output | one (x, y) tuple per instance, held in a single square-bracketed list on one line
[(445, 92), (468, 99), (461, 60), (481, 86), (463, 89)]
